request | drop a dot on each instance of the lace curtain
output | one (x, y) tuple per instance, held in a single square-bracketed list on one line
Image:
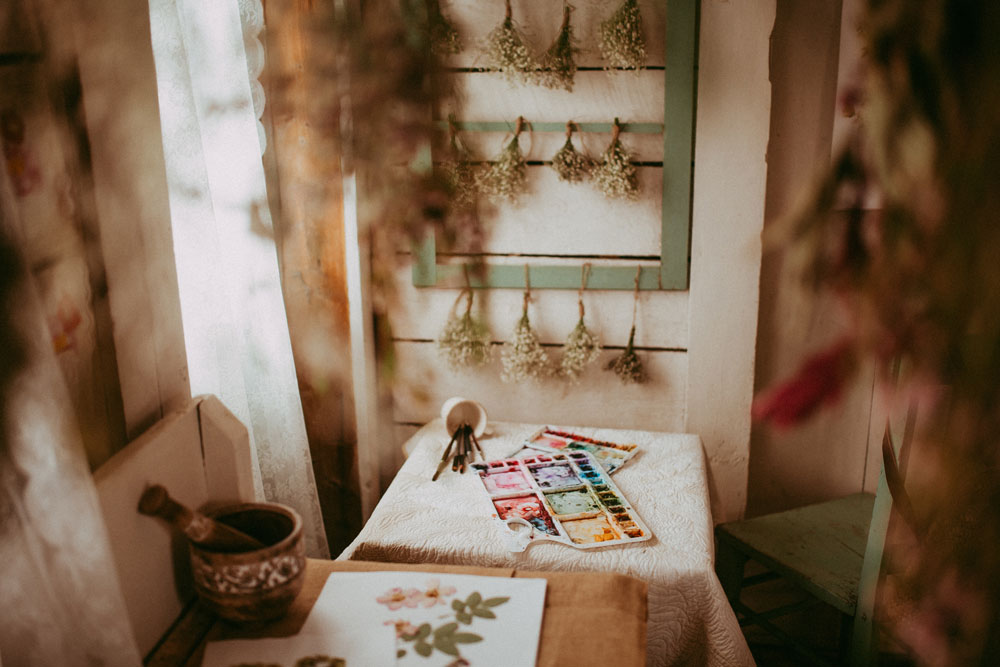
[(235, 326), (60, 591)]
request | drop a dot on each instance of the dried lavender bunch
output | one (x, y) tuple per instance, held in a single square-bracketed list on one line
[(506, 49), (506, 176), (627, 366), (571, 165), (523, 358), (444, 37), (620, 38), (616, 175), (559, 62), (465, 340), (581, 349)]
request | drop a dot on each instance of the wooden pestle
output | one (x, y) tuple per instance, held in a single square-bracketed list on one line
[(207, 532)]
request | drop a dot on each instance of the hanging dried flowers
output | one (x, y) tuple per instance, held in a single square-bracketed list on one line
[(444, 37), (505, 178), (523, 357), (620, 40), (506, 49), (582, 346), (559, 64), (459, 171), (627, 366), (616, 175), (570, 165), (465, 340)]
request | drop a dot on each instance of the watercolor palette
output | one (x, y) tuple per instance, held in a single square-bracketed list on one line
[(611, 455), (566, 497)]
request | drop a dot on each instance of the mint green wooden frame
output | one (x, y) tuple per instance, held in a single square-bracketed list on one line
[(678, 143)]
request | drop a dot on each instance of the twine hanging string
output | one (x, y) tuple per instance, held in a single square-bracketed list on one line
[(584, 274), (508, 15), (635, 298), (616, 130), (467, 289), (569, 129), (527, 289)]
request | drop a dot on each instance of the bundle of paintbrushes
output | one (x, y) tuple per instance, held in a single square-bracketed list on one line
[(461, 451)]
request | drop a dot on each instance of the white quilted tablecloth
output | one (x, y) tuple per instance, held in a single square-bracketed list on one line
[(449, 521)]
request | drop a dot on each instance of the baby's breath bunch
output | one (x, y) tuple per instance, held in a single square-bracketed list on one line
[(559, 64), (444, 37), (465, 340), (616, 175), (505, 178), (523, 358), (627, 366), (459, 173), (569, 164), (621, 41), (507, 50), (581, 349)]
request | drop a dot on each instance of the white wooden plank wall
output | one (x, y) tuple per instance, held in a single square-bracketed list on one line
[(563, 222)]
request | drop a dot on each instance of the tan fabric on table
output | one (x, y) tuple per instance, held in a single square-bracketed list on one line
[(575, 603)]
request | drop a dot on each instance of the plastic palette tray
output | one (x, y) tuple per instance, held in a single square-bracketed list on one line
[(566, 498)]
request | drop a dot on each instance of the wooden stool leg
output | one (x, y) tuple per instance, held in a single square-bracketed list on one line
[(729, 565)]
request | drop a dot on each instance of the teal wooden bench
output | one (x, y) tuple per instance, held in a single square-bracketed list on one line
[(832, 550)]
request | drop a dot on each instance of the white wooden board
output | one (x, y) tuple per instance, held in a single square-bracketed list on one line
[(601, 400), (598, 97), (541, 22), (560, 218)]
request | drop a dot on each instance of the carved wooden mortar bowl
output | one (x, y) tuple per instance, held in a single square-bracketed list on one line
[(255, 585)]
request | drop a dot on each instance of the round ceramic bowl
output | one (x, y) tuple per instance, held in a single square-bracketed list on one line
[(256, 585)]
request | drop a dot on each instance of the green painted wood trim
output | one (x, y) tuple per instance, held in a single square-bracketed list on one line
[(508, 126), (549, 277), (678, 146), (678, 142)]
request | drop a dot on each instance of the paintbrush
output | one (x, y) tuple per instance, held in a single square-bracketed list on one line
[(444, 457), (475, 441)]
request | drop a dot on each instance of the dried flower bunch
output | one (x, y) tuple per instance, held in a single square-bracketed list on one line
[(505, 179), (559, 62), (444, 37), (465, 340), (616, 176), (620, 38), (459, 171), (569, 164), (581, 349), (627, 366), (523, 358), (507, 50)]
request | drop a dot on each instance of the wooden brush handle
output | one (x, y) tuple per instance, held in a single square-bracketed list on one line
[(155, 501)]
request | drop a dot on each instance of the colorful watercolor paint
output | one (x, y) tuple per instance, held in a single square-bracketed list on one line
[(590, 531), (505, 481), (610, 455), (564, 497), (530, 508), (572, 502), (554, 476)]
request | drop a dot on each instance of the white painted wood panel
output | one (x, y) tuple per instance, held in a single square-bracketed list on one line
[(424, 383), (661, 320), (541, 21), (558, 218), (734, 103), (543, 145), (596, 97)]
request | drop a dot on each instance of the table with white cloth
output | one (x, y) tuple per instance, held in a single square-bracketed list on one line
[(448, 521)]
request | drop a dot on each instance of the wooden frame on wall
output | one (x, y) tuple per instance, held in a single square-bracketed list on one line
[(678, 146)]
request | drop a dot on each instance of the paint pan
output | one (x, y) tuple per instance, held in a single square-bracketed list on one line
[(566, 498)]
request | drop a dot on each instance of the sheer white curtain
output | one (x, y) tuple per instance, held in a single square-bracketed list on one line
[(235, 327), (59, 589)]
